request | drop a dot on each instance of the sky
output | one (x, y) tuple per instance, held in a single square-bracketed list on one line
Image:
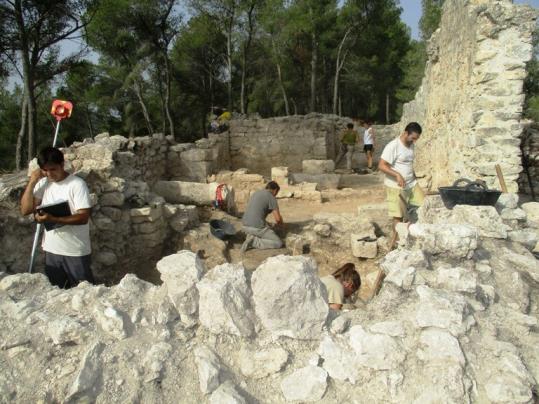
[(411, 13)]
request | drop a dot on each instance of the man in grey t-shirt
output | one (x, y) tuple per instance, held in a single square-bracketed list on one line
[(259, 234)]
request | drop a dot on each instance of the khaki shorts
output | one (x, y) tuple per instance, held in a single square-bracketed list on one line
[(395, 206)]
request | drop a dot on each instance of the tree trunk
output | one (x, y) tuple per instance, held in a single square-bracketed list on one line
[(242, 91), (28, 79), (387, 108), (89, 121), (280, 77), (314, 62), (167, 96), (338, 66), (20, 136), (229, 65), (138, 92)]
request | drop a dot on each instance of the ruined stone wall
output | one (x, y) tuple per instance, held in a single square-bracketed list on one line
[(470, 101), (259, 144)]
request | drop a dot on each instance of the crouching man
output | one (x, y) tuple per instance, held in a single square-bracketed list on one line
[(67, 245), (259, 234)]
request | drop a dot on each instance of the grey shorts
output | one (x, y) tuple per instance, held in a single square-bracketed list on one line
[(66, 272)]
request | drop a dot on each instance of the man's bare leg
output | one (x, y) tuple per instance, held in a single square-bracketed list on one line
[(369, 159), (396, 220)]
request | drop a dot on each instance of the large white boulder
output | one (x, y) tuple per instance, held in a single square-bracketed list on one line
[(441, 309), (289, 298), (457, 279), (180, 273), (452, 240), (375, 351), (224, 301), (306, 384)]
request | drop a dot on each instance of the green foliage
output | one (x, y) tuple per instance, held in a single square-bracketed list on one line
[(285, 56), (531, 84), (430, 18)]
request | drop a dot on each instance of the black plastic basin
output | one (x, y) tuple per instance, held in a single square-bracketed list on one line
[(473, 193)]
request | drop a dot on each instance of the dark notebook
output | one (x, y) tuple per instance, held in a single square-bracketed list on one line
[(58, 209)]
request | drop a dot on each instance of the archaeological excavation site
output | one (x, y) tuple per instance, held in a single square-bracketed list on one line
[(179, 313)]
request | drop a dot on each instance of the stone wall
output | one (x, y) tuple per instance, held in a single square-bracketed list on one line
[(259, 144), (470, 101)]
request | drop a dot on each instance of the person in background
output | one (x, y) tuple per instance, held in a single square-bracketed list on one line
[(368, 142), (341, 284), (349, 138), (67, 248)]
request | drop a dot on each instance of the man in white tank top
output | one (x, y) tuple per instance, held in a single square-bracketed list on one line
[(397, 163)]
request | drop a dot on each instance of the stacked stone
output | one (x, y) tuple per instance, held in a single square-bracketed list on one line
[(257, 143), (196, 161), (471, 99), (455, 321)]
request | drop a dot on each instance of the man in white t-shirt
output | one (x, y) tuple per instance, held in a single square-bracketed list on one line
[(397, 163), (67, 246)]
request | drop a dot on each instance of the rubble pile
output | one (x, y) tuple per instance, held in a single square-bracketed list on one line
[(455, 321)]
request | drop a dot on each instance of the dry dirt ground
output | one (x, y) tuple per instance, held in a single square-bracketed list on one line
[(359, 189)]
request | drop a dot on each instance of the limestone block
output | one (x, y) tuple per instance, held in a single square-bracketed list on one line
[(193, 193), (363, 241), (398, 259), (526, 237), (453, 240), (339, 359), (523, 261), (64, 330), (513, 214), (227, 393), (441, 309), (114, 184), (209, 368), (112, 321), (307, 384), (103, 223), (280, 175), (318, 166), (485, 218), (263, 363), (88, 374), (439, 345), (224, 301), (391, 328), (402, 277), (147, 227), (145, 214), (375, 351), (196, 154), (457, 279), (532, 212), (507, 201), (323, 181), (112, 199), (289, 297), (180, 273)]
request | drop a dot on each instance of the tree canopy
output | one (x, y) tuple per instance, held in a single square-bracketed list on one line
[(165, 65)]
